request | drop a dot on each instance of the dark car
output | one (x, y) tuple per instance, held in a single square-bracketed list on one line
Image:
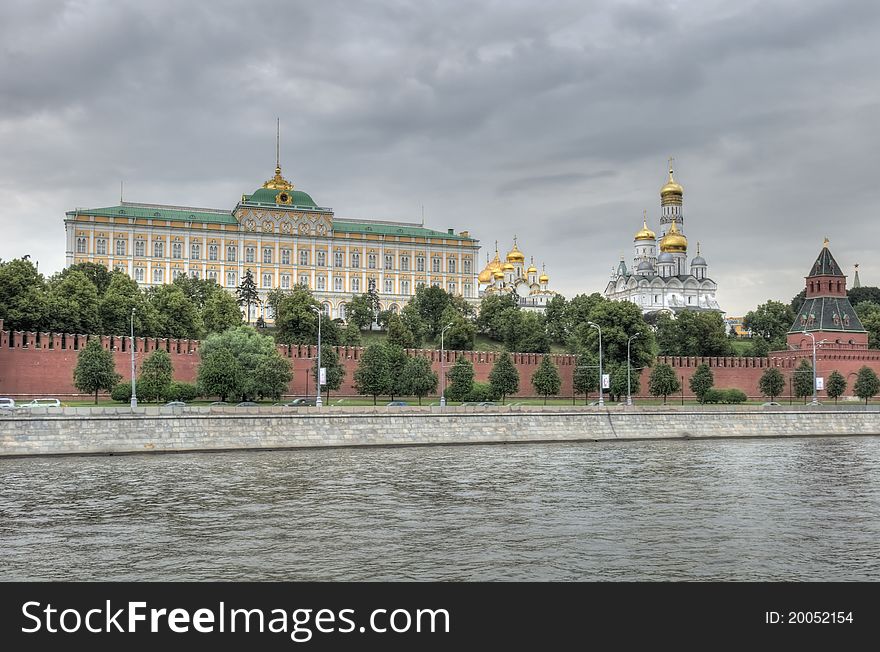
[(397, 403), (301, 402), (247, 404)]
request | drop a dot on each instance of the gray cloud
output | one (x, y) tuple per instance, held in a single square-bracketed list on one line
[(549, 120)]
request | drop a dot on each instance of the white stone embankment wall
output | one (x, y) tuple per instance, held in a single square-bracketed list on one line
[(82, 431)]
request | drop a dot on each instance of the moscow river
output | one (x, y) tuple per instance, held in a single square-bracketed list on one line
[(763, 509)]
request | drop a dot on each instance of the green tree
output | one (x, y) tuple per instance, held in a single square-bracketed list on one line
[(219, 374), (692, 333), (247, 293), (361, 310), (577, 313), (461, 379), (73, 304), (771, 321), (836, 385), (418, 379), (296, 319), (335, 373), (99, 275), (760, 347), (256, 369), (197, 290), (351, 335), (504, 378), (23, 300), (372, 378), (220, 312), (618, 388), (702, 381), (863, 293), (803, 380), (867, 384), (460, 335), (869, 314), (116, 304), (797, 301), (546, 380), (663, 381), (396, 359), (429, 302), (95, 369), (772, 383), (619, 320), (178, 316), (586, 376), (525, 332), (411, 319), (399, 333), (555, 319), (496, 311), (156, 375)]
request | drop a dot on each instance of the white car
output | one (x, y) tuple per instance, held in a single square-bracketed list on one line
[(41, 403), (7, 403)]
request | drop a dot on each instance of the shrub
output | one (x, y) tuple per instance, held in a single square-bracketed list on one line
[(712, 396), (121, 392), (183, 392), (733, 396), (481, 392)]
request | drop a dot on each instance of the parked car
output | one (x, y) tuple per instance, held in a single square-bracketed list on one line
[(175, 404), (247, 404), (8, 403), (396, 403), (485, 403), (769, 403), (300, 402), (40, 403), (217, 403)]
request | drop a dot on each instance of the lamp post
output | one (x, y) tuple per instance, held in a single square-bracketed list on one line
[(442, 368), (320, 313), (134, 399), (629, 400), (813, 337), (599, 328)]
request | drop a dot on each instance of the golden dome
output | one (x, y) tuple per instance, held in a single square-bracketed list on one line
[(508, 267), (485, 276), (532, 269), (543, 278), (498, 274), (672, 191), (645, 233), (674, 240), (515, 255)]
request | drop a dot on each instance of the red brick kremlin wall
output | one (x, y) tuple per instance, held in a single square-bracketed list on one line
[(42, 364)]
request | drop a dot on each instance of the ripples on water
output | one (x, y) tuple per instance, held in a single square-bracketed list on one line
[(774, 509)]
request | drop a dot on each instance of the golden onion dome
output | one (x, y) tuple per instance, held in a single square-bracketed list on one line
[(674, 240), (515, 255), (532, 269), (508, 267), (498, 274), (543, 278), (645, 233), (672, 191), (485, 276)]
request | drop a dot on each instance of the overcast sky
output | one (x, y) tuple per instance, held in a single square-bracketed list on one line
[(551, 120)]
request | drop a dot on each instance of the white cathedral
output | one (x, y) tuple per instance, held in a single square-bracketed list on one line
[(664, 283)]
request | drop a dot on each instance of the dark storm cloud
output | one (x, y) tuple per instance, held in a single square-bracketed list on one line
[(550, 120)]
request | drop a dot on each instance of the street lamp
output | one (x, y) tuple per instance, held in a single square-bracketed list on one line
[(320, 313), (813, 337), (442, 366), (629, 400), (599, 328), (134, 399)]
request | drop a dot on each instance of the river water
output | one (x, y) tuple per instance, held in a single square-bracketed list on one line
[(763, 509)]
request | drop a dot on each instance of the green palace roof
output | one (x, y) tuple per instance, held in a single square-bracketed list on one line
[(267, 196), (155, 212), (391, 229)]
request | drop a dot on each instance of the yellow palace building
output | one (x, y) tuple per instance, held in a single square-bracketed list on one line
[(284, 238)]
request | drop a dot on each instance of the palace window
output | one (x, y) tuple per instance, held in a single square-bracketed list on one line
[(420, 284), (267, 255), (389, 286), (321, 258), (435, 264), (355, 259), (176, 250), (120, 247), (250, 254), (337, 283), (304, 280), (139, 274), (337, 259), (101, 246), (230, 253), (404, 287), (420, 263), (158, 249), (321, 282), (355, 285), (195, 251), (285, 281), (194, 273), (212, 275), (404, 263), (267, 280), (371, 261), (435, 284), (450, 287), (450, 265), (467, 290), (285, 256), (177, 273), (389, 261), (230, 279), (81, 244), (119, 267), (158, 275), (212, 252), (466, 266), (303, 257)]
